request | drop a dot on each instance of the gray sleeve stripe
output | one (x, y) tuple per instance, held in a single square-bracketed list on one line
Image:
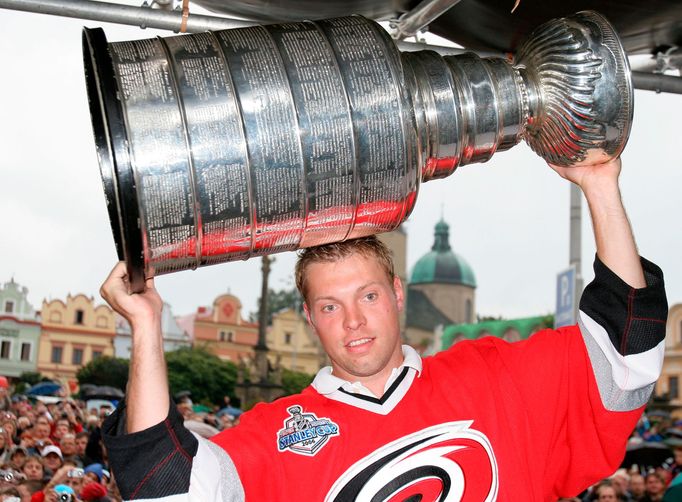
[(625, 382)]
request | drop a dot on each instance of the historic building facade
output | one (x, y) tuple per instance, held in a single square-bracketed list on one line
[(441, 291), (293, 345), (671, 377), (19, 331), (74, 332), (224, 330), (174, 336)]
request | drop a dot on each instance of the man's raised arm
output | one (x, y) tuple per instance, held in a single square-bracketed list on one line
[(147, 393), (623, 311)]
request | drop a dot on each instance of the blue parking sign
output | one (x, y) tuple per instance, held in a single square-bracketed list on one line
[(564, 314)]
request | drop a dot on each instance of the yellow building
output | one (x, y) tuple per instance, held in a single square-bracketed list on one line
[(669, 382), (73, 333), (292, 343)]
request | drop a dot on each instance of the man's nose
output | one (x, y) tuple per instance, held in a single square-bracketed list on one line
[(354, 318)]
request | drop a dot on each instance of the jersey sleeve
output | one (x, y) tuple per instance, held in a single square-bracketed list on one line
[(585, 387), (167, 462)]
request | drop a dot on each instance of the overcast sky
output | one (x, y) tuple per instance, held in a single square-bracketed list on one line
[(508, 217)]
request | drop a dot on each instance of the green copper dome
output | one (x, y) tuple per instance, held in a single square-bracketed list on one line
[(441, 264)]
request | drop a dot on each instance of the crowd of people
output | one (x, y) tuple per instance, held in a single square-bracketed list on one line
[(52, 451), (653, 476)]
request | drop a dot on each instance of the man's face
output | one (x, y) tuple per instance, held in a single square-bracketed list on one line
[(654, 486), (52, 461), (68, 445), (637, 485), (61, 428), (41, 431), (81, 444), (353, 307), (607, 494)]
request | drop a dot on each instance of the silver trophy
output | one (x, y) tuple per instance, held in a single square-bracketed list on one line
[(224, 145)]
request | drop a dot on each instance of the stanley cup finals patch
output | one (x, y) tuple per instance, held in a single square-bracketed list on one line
[(304, 433)]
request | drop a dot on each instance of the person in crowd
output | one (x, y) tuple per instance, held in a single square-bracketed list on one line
[(546, 416), (9, 494), (67, 445), (655, 487), (604, 491), (52, 458), (5, 401), (81, 445), (17, 457), (637, 487), (33, 468)]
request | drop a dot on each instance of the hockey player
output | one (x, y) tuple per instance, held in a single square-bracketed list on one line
[(484, 420)]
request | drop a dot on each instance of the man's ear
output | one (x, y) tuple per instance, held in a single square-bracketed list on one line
[(307, 315), (399, 293)]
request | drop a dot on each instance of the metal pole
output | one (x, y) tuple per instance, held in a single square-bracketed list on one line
[(411, 22), (575, 245), (656, 82), (144, 17)]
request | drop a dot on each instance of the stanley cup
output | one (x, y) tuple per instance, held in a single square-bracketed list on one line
[(224, 145)]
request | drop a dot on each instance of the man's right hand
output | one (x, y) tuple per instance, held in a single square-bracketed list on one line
[(139, 309)]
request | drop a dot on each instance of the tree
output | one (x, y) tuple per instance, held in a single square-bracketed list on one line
[(294, 381), (201, 372), (105, 370), (279, 300)]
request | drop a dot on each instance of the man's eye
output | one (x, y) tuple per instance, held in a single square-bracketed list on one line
[(328, 308), (371, 296)]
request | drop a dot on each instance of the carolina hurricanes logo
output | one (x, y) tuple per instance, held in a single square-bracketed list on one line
[(447, 462)]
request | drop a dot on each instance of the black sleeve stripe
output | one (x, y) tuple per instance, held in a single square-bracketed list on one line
[(153, 463), (634, 319)]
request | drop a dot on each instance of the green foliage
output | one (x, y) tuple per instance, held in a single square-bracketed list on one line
[(105, 370), (202, 373), (294, 381), (279, 300)]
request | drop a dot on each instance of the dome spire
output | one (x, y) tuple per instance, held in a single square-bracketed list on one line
[(441, 240)]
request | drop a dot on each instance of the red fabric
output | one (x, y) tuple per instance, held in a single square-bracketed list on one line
[(535, 403), (38, 497), (93, 491)]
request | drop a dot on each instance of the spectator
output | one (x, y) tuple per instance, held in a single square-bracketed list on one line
[(52, 458), (604, 491), (94, 472), (655, 487), (5, 401), (67, 445), (33, 468), (17, 457), (637, 487), (81, 445)]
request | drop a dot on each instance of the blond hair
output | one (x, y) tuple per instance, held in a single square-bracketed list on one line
[(368, 247)]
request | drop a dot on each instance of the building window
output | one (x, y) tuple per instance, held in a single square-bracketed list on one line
[(222, 336), (96, 354), (57, 351), (5, 348), (673, 387), (79, 317), (287, 338), (25, 351), (77, 356), (230, 336), (9, 307)]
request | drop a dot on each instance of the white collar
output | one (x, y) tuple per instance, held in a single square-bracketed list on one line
[(325, 382)]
